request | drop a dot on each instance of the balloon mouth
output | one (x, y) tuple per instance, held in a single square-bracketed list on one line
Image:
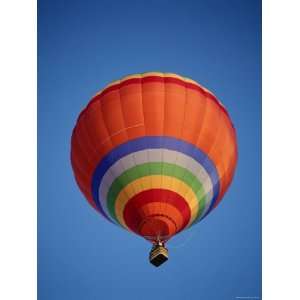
[(158, 239), (159, 254), (157, 228)]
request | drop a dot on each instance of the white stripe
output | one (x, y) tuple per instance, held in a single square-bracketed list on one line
[(155, 155)]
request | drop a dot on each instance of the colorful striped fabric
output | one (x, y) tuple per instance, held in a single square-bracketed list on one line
[(154, 153)]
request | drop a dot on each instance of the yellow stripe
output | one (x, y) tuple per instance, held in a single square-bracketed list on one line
[(142, 75), (115, 82), (152, 182)]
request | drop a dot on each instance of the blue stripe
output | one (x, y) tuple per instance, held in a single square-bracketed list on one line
[(154, 142)]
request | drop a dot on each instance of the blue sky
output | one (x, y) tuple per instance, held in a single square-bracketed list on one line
[(82, 46)]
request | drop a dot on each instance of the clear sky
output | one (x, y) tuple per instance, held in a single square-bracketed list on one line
[(82, 46)]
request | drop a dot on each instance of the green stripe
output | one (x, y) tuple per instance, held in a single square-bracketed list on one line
[(154, 168)]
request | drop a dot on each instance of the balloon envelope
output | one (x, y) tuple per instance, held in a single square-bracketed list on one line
[(154, 153)]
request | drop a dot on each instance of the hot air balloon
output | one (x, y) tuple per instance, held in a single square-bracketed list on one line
[(154, 153)]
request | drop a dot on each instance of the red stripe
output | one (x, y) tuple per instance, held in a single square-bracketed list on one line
[(149, 79), (133, 215)]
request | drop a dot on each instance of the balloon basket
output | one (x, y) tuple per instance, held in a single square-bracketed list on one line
[(158, 255)]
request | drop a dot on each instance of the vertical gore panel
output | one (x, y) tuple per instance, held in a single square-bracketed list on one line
[(84, 184), (195, 110), (132, 107), (153, 104), (79, 156), (175, 98), (97, 131), (220, 152), (80, 175), (210, 126), (113, 117), (227, 150), (86, 144)]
